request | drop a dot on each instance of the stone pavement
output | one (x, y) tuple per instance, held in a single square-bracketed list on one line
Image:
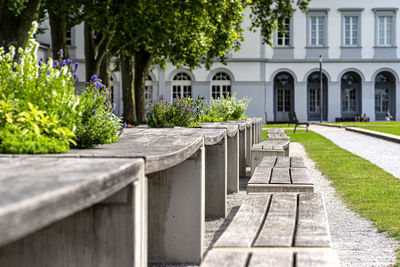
[(384, 154)]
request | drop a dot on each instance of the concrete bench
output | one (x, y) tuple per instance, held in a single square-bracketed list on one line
[(268, 148), (277, 134), (257, 130), (281, 229), (244, 144), (72, 212), (216, 162), (232, 132), (280, 174), (174, 166)]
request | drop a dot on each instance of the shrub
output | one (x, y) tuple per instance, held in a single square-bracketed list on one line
[(182, 112), (224, 109), (98, 124), (40, 111), (38, 104)]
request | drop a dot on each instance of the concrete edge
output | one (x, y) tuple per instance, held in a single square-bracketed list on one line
[(332, 125), (385, 136)]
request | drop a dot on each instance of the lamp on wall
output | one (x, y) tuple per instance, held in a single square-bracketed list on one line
[(321, 88)]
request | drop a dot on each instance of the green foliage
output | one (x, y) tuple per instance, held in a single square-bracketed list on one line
[(180, 112), (97, 125), (35, 101), (225, 108), (40, 111)]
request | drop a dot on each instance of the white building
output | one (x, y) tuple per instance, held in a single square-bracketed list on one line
[(358, 42)]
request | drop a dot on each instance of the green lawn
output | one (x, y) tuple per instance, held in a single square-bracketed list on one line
[(376, 123), (388, 129), (365, 188)]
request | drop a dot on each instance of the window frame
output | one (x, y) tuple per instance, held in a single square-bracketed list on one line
[(385, 12), (290, 36), (221, 84), (317, 13), (182, 84), (351, 12)]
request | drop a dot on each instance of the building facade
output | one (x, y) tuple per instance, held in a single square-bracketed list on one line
[(357, 40)]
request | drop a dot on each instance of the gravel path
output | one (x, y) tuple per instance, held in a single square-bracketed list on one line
[(384, 154), (354, 238)]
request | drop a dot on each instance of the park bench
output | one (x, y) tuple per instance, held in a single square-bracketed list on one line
[(277, 134), (257, 130), (293, 119), (280, 174), (216, 162), (268, 148), (72, 212), (174, 166), (280, 229)]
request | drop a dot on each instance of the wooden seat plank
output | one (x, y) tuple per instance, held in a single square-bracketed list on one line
[(225, 259), (317, 258), (271, 259), (282, 162), (244, 227), (262, 175), (268, 162), (312, 225), (299, 176), (280, 176), (279, 226), (297, 162)]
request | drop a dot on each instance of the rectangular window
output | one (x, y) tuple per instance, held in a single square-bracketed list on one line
[(385, 30), (68, 37), (351, 31), (283, 39), (317, 25)]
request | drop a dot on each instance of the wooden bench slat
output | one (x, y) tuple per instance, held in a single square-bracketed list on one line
[(244, 227), (282, 162), (312, 225), (225, 259), (297, 162), (271, 259), (280, 176), (262, 175), (279, 226), (300, 176), (327, 258)]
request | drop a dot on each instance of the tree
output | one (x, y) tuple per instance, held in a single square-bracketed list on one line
[(16, 17), (187, 33)]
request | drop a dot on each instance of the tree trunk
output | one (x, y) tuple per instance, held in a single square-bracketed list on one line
[(14, 29), (58, 28), (142, 65), (105, 74), (96, 48), (128, 97), (89, 51)]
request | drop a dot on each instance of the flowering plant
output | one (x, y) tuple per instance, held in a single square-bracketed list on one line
[(180, 112), (225, 108), (98, 124)]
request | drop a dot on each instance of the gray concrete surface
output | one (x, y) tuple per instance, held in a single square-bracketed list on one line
[(384, 154)]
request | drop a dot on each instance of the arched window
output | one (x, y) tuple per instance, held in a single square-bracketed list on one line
[(384, 94), (221, 85), (148, 90), (351, 95), (181, 85)]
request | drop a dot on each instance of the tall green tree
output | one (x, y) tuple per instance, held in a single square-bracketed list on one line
[(16, 17)]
